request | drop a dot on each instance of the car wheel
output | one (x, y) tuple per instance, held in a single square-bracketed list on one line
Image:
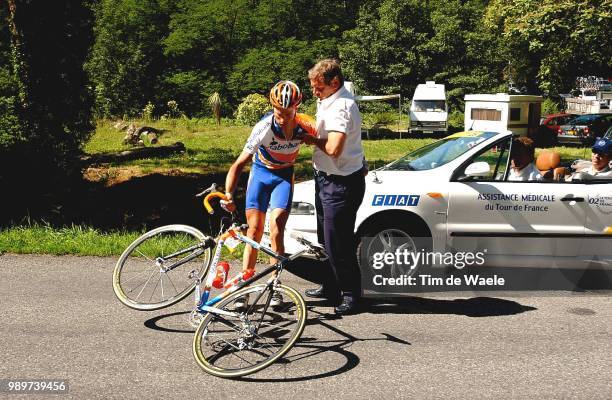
[(390, 236)]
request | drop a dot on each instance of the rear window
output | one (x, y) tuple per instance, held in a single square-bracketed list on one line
[(584, 119)]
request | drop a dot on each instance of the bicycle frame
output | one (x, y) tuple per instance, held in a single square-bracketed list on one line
[(205, 305)]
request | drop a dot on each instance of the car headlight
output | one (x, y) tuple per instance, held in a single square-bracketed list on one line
[(302, 208)]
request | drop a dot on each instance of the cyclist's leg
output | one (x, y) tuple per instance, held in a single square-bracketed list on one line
[(278, 220), (280, 204), (257, 200), (256, 221)]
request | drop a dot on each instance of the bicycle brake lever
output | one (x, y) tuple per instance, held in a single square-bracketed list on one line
[(212, 188)]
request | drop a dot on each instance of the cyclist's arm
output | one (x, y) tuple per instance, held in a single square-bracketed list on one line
[(234, 173)]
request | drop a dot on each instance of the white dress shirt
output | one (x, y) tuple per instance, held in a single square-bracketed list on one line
[(339, 113)]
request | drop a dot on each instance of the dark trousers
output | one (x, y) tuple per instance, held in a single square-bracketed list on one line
[(337, 200)]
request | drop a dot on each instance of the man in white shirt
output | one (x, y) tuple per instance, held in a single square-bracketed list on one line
[(521, 161), (338, 161), (600, 159)]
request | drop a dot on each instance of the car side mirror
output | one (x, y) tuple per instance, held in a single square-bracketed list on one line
[(478, 169)]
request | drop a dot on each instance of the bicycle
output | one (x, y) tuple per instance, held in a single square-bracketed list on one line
[(255, 336)]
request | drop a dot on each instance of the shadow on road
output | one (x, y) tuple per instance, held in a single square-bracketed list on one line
[(328, 339), (472, 307), (309, 346)]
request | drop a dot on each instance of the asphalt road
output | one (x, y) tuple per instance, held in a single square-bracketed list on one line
[(61, 320)]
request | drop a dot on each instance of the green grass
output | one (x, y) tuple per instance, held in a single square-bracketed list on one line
[(212, 148), (84, 241)]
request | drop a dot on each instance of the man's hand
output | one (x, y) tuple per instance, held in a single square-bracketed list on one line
[(228, 205)]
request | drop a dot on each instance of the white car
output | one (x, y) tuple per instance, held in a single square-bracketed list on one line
[(455, 193)]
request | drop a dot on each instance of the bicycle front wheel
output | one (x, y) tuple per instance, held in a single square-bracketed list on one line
[(154, 271), (230, 347)]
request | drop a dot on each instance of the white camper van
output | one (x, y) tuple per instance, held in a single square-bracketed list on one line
[(503, 112), (428, 110)]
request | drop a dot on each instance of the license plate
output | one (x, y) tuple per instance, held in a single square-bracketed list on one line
[(571, 132), (427, 131)]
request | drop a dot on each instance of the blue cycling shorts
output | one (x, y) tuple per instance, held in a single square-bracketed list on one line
[(269, 188)]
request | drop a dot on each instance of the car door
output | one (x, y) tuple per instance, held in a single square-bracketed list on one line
[(518, 223), (597, 246)]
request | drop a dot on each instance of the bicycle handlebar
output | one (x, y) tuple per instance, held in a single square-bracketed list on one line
[(210, 196)]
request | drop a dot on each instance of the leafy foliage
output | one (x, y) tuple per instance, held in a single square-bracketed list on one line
[(252, 108), (551, 42), (398, 44), (44, 102), (126, 63)]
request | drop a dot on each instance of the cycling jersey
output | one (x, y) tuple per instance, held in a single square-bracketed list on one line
[(271, 179), (268, 145)]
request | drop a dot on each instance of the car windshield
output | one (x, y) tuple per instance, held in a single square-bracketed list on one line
[(429, 105), (608, 134), (439, 153), (583, 119)]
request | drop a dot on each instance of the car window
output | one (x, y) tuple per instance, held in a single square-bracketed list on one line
[(429, 105), (553, 121), (496, 156), (438, 153), (584, 119)]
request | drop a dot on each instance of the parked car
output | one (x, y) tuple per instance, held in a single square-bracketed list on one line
[(584, 129), (553, 122), (455, 192), (546, 135)]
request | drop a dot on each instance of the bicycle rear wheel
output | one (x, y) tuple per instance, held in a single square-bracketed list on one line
[(154, 271), (230, 347)]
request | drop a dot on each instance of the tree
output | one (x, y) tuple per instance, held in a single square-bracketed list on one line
[(261, 67), (126, 62), (461, 53), (11, 131), (49, 102), (381, 53), (551, 42), (398, 44)]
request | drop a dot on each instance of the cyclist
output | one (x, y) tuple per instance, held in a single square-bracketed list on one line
[(273, 146)]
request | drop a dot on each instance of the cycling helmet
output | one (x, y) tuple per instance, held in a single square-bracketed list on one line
[(285, 94)]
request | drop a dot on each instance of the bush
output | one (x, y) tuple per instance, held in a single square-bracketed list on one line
[(251, 109), (371, 119), (456, 120), (147, 112), (549, 106)]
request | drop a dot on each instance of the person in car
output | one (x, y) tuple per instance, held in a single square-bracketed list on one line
[(522, 161), (601, 154)]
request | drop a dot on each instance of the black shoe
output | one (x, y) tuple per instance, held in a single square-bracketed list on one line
[(348, 306), (318, 293)]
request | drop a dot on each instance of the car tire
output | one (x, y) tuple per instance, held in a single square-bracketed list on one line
[(389, 233)]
